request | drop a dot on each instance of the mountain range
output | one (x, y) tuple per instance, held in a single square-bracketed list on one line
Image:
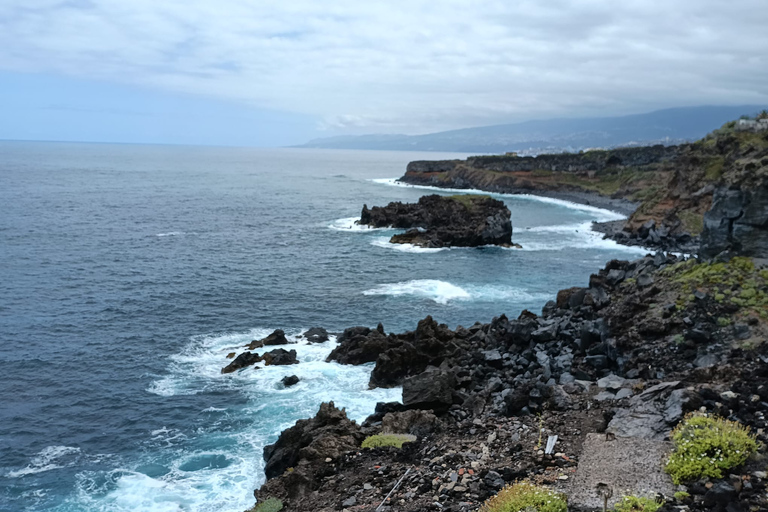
[(668, 126)]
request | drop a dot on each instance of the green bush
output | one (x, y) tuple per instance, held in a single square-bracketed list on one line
[(525, 496), (379, 440), (707, 446), (270, 505), (635, 504)]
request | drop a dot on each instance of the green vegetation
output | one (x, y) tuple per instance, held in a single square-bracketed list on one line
[(525, 496), (708, 446), (714, 169), (270, 505), (635, 504), (379, 440), (735, 282), (682, 495), (467, 199)]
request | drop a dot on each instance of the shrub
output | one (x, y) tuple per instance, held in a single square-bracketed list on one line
[(682, 495), (635, 504), (379, 440), (707, 446), (525, 496), (270, 505)]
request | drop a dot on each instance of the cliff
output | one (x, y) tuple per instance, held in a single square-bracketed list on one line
[(667, 189)]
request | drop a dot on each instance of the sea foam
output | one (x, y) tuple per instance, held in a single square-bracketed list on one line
[(443, 292)]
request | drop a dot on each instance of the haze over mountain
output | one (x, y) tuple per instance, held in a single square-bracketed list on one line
[(668, 126)]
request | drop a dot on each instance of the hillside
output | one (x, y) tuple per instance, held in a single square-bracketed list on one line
[(668, 126), (671, 187)]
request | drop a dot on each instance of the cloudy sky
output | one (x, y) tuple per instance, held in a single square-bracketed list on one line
[(258, 72)]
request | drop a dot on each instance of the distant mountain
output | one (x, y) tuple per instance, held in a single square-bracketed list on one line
[(668, 126)]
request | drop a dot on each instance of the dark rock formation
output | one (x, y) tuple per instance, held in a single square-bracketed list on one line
[(280, 356), (415, 422), (445, 221), (289, 381), (241, 361), (397, 357), (276, 338), (737, 223), (429, 390), (316, 335), (328, 434), (359, 345)]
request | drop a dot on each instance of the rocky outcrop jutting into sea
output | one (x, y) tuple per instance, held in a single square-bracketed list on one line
[(665, 190), (445, 221)]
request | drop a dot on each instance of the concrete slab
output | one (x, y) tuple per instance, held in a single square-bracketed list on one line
[(625, 465)]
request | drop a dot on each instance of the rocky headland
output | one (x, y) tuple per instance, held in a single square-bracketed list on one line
[(609, 369), (665, 190), (586, 397), (444, 221)]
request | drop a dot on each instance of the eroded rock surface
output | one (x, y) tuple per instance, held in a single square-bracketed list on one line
[(445, 221)]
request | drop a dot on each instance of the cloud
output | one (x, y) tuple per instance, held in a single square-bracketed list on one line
[(402, 66)]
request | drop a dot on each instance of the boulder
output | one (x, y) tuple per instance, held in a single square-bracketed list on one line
[(241, 361), (415, 422), (276, 338), (289, 381), (360, 345), (429, 390), (280, 356), (316, 335), (328, 434)]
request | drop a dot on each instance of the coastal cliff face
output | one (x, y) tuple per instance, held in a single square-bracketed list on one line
[(670, 188)]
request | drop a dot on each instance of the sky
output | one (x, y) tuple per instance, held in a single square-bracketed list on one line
[(264, 73)]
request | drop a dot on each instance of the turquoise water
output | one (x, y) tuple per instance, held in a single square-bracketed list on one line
[(127, 273)]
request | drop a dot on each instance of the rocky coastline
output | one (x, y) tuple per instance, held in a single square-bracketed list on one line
[(665, 191), (609, 369), (582, 397)]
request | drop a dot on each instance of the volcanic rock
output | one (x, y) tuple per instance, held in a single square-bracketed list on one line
[(328, 434), (445, 221)]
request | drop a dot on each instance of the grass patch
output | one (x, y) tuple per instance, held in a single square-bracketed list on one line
[(379, 440), (270, 505), (735, 282), (468, 200), (692, 221), (525, 496), (635, 504), (708, 446), (714, 169)]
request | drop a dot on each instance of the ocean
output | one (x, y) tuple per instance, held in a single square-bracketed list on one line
[(128, 272)]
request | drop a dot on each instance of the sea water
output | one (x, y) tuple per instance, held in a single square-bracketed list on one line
[(128, 273)]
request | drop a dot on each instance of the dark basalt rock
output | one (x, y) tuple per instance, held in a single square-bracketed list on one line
[(440, 221), (429, 390), (241, 361), (329, 434), (316, 335), (289, 381), (359, 345), (737, 223), (276, 338), (280, 356), (396, 356)]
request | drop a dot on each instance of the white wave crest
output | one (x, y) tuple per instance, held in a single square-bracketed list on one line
[(438, 291), (350, 224), (600, 214), (443, 292), (570, 236), (384, 242), (49, 458)]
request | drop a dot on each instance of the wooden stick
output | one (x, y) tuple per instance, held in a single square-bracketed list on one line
[(393, 489)]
